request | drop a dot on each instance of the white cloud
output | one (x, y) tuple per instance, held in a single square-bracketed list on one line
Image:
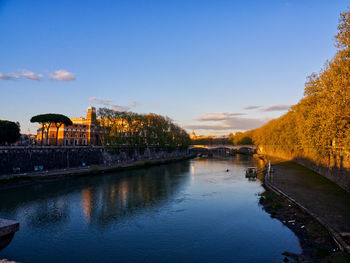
[(226, 121), (108, 103), (62, 75), (219, 116), (5, 76), (234, 123), (27, 75), (244, 123), (252, 107), (210, 127), (133, 103), (24, 74), (281, 107)]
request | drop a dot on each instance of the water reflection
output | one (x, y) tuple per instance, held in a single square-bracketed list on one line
[(50, 212), (193, 211), (103, 199)]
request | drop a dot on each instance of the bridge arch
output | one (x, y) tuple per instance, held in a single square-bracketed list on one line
[(248, 149)]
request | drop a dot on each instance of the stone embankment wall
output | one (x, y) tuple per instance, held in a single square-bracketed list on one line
[(26, 158), (336, 167)]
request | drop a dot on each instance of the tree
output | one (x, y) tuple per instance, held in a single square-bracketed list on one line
[(141, 130), (9, 132), (59, 120), (46, 120), (319, 123)]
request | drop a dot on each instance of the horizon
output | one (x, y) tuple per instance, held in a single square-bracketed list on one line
[(214, 68)]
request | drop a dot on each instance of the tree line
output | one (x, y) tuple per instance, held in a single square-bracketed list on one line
[(241, 138), (119, 128), (320, 122), (140, 130), (210, 140)]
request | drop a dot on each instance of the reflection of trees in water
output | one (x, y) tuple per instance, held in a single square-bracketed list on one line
[(36, 206), (104, 198), (52, 212), (238, 163), (242, 159), (129, 195), (237, 159)]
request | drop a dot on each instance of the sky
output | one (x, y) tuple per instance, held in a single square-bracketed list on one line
[(212, 66)]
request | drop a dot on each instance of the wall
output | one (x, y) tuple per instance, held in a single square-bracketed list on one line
[(53, 157)]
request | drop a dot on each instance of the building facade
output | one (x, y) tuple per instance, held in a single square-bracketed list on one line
[(83, 131)]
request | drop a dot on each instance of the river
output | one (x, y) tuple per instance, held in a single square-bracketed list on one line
[(190, 211)]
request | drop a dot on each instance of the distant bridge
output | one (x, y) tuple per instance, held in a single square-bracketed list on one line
[(224, 148)]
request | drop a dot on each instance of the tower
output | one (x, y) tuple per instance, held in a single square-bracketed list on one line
[(193, 135), (91, 113)]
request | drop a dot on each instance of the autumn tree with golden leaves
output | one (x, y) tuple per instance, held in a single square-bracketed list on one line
[(320, 123)]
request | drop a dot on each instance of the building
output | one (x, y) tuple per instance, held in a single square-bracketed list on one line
[(26, 140), (209, 139), (193, 135), (83, 131)]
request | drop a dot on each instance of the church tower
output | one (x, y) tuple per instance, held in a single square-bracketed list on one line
[(91, 113), (193, 135)]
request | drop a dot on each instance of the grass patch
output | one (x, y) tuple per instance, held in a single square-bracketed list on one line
[(315, 230), (340, 257), (296, 207), (276, 206), (271, 197), (18, 179), (94, 169), (322, 252), (148, 163)]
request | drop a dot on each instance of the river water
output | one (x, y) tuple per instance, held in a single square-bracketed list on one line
[(190, 211)]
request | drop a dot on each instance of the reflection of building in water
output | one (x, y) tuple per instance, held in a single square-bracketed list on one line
[(121, 197), (192, 171), (86, 203), (123, 192)]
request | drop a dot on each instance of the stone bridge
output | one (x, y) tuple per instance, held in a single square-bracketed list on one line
[(248, 149)]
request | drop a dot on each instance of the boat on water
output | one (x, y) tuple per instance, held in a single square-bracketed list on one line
[(251, 172)]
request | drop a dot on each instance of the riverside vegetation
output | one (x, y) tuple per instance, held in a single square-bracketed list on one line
[(140, 130)]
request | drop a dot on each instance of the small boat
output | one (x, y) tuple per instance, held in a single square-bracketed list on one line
[(251, 172)]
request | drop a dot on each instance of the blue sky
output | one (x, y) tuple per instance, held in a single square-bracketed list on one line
[(202, 63)]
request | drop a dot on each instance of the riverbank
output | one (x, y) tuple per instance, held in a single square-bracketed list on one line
[(19, 180), (335, 167), (316, 242), (314, 208)]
